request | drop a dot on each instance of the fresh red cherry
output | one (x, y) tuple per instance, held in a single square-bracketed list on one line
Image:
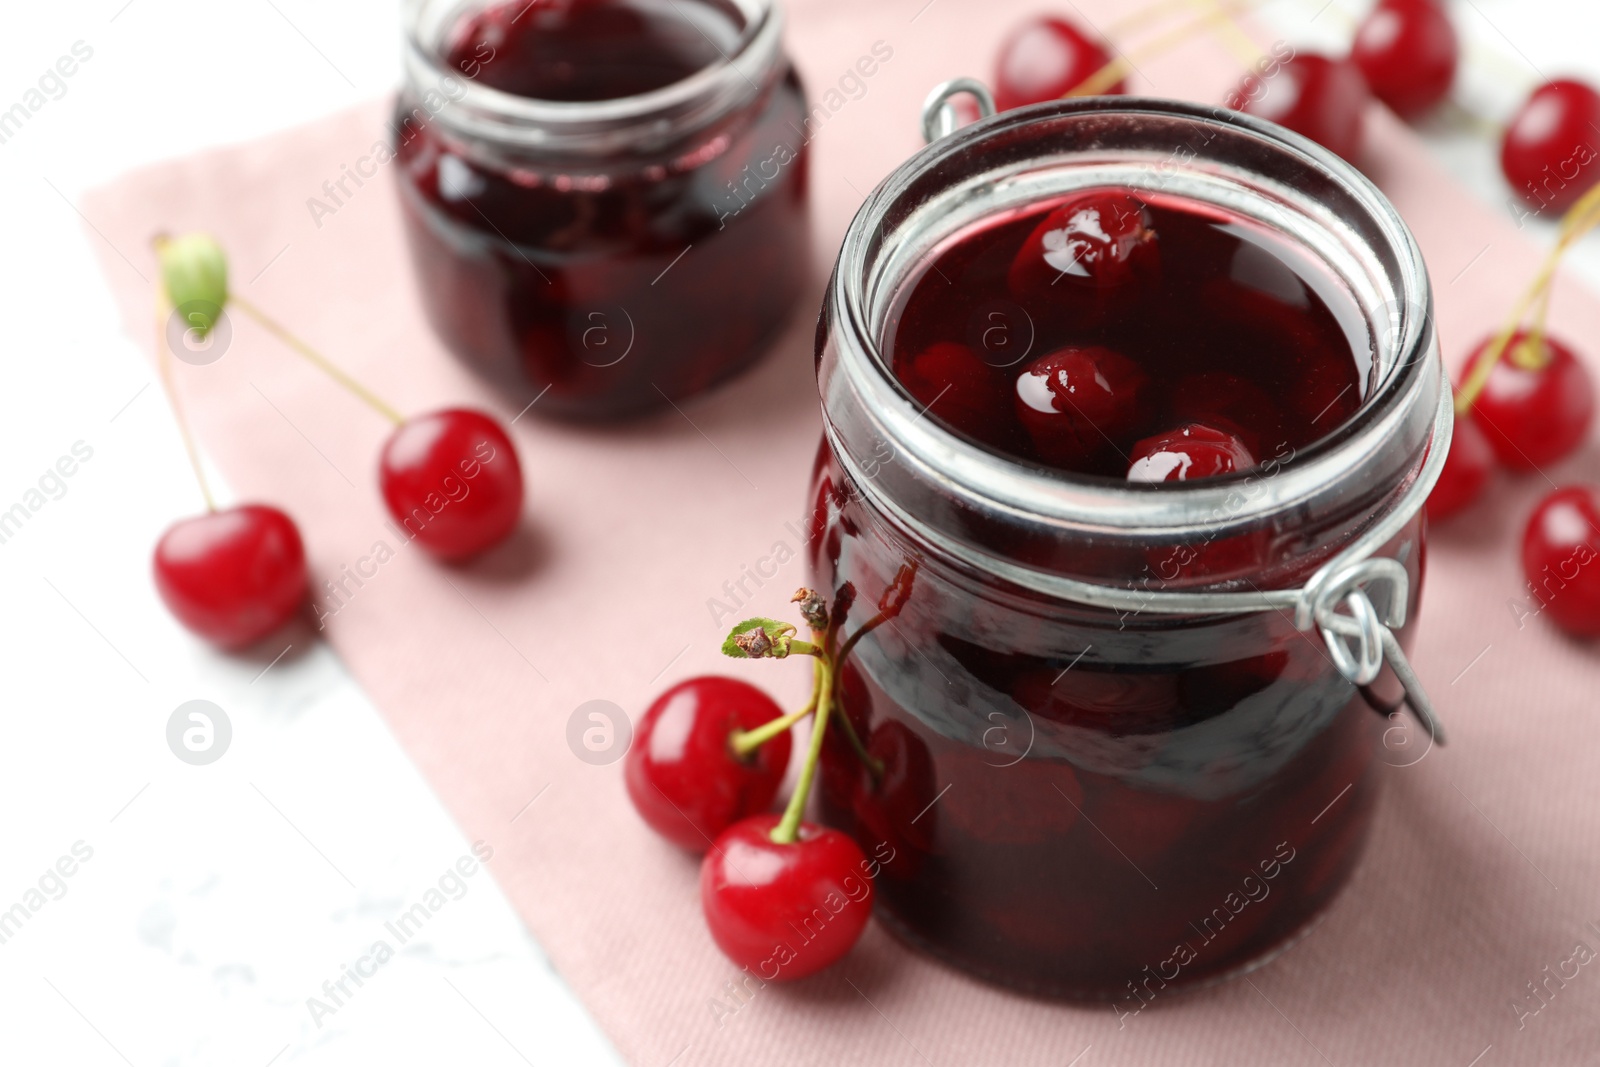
[(1550, 150), (784, 911), (1536, 404), (232, 576), (1315, 96), (1086, 257), (1193, 450), (959, 389), (1077, 402), (1408, 51), (1045, 59), (1466, 470), (1561, 558), (684, 779), (451, 478)]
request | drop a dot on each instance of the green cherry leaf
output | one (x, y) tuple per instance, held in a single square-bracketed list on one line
[(758, 639), (194, 271)]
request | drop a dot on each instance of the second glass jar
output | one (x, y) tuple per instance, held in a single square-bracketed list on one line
[(606, 201)]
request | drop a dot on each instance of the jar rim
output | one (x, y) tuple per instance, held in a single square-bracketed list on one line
[(595, 127), (1404, 395)]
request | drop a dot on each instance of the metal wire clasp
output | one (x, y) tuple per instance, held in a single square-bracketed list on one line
[(939, 118), (1356, 605)]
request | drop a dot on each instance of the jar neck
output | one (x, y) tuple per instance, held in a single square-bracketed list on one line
[(643, 123), (980, 505)]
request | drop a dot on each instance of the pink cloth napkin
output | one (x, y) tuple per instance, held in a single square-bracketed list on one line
[(1484, 869)]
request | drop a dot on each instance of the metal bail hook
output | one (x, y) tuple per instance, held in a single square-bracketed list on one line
[(939, 118), (1353, 588)]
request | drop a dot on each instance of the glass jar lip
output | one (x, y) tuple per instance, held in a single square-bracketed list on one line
[(600, 126), (1027, 490)]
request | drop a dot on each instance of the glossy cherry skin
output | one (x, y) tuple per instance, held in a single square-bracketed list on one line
[(452, 480), (684, 779), (1467, 470), (1551, 150), (1086, 257), (1318, 97), (1192, 451), (1045, 59), (1077, 402), (1561, 558), (1408, 52), (1533, 409), (232, 576), (785, 911), (1228, 402)]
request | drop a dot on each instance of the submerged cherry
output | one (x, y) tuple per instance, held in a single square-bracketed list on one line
[(1045, 59), (232, 576), (1230, 403), (953, 384), (451, 478), (1561, 558), (1466, 473), (1192, 451), (784, 910), (1408, 51), (895, 806), (682, 775), (1076, 403), (1551, 150), (1318, 97), (1086, 256), (1537, 403)]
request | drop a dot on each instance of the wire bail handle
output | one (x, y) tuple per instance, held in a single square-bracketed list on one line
[(1356, 601), (939, 117), (1360, 638)]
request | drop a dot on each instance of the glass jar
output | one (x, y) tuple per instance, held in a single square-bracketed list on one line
[(1086, 768), (605, 253)]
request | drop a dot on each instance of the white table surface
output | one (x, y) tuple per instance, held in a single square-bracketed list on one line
[(219, 898)]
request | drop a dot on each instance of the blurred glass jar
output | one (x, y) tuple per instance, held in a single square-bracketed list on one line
[(605, 200)]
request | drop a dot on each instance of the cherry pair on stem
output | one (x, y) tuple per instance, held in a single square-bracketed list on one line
[(1405, 52), (1525, 402), (233, 575), (708, 759)]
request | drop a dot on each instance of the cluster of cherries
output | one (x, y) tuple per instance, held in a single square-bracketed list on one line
[(234, 575), (783, 897), (1525, 400), (1404, 53), (1129, 334)]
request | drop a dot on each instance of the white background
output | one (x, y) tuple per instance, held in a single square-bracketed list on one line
[(219, 898)]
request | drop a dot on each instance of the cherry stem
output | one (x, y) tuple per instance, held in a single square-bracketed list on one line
[(788, 828), (744, 742), (1119, 68), (322, 362), (169, 383), (1233, 35), (1582, 217)]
